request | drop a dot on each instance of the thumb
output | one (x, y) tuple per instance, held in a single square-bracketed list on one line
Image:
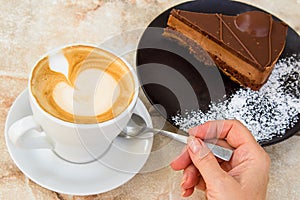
[(204, 160)]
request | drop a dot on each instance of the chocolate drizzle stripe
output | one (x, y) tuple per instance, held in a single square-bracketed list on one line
[(221, 28), (270, 41), (239, 41)]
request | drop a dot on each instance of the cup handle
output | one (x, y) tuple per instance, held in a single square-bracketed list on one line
[(26, 133)]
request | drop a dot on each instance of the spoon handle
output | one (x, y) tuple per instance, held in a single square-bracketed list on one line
[(218, 151)]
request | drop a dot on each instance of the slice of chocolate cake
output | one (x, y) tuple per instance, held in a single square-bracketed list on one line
[(245, 47)]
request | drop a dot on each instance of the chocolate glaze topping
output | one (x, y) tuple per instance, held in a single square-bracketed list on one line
[(253, 36), (255, 23)]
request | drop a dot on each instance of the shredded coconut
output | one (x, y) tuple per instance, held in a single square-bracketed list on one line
[(267, 113)]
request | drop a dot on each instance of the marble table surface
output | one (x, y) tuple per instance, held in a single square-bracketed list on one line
[(30, 28)]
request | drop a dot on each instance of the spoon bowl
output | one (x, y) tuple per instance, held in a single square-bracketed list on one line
[(135, 127)]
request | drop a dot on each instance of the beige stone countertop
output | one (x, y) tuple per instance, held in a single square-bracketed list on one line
[(30, 28)]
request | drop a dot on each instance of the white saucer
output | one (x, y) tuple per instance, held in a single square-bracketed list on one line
[(123, 160)]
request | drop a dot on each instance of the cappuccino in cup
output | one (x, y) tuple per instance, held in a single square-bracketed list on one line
[(90, 86), (81, 98)]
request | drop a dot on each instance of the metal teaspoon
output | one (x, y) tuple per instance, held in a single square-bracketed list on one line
[(137, 126)]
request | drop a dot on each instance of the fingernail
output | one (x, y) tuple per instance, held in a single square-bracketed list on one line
[(183, 191), (183, 180), (194, 144)]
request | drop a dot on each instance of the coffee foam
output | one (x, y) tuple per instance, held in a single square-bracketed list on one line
[(97, 87)]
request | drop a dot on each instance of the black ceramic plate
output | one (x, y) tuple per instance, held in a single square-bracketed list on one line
[(172, 78)]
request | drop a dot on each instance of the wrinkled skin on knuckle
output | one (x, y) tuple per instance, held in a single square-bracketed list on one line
[(237, 122), (264, 159), (206, 160)]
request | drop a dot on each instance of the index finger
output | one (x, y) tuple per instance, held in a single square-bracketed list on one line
[(233, 131), (182, 161)]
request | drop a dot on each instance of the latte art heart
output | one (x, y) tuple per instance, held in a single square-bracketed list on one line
[(94, 93), (96, 87)]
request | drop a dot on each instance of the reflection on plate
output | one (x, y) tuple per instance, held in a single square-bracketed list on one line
[(122, 161), (163, 64)]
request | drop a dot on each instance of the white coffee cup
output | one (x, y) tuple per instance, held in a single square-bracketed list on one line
[(77, 143)]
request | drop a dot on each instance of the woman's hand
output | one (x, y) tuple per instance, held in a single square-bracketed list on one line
[(245, 176)]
